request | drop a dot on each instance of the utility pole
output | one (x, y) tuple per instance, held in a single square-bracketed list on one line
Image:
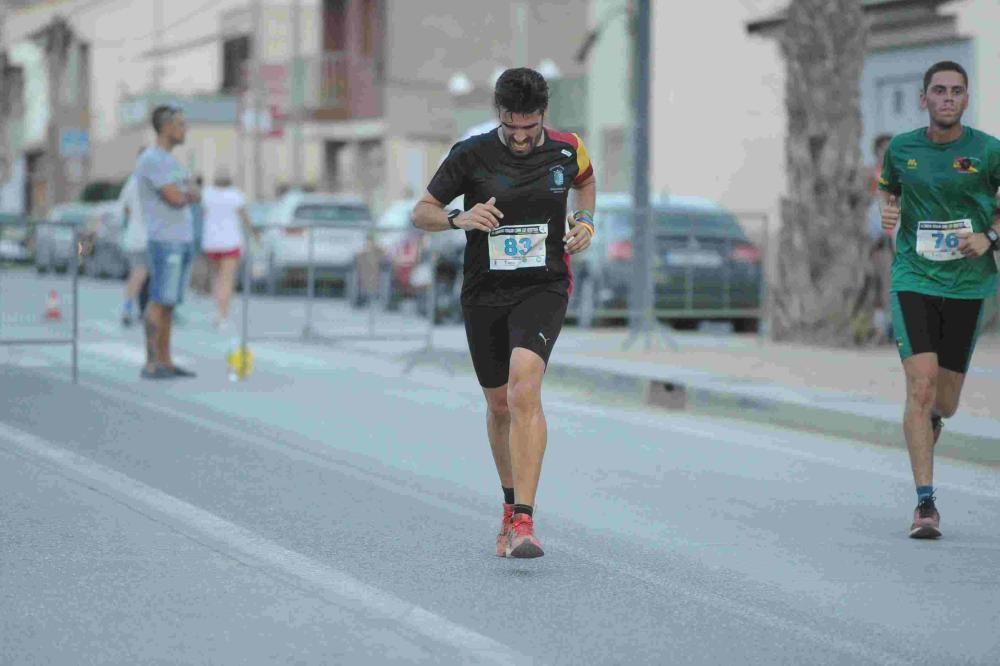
[(296, 98), (157, 81), (519, 20), (641, 317), (257, 104)]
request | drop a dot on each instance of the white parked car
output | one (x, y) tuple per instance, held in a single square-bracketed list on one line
[(340, 224)]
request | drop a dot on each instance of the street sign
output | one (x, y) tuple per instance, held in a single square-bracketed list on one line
[(74, 143)]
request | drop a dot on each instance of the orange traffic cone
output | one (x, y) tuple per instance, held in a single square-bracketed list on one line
[(52, 306)]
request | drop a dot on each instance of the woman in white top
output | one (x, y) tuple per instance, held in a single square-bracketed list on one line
[(222, 239)]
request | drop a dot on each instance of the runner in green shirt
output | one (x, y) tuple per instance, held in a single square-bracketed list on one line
[(937, 193)]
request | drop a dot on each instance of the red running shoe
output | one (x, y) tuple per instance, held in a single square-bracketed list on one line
[(521, 541), (926, 521), (508, 514)]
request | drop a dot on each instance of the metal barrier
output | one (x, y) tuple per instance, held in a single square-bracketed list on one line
[(74, 275), (310, 331)]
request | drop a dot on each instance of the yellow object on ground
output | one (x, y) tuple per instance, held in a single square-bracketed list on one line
[(240, 362)]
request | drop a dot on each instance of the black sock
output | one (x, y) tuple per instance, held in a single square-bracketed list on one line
[(508, 495), (523, 508)]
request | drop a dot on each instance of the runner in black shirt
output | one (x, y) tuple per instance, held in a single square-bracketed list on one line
[(517, 277)]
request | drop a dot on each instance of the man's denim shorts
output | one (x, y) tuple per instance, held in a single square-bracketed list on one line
[(169, 271)]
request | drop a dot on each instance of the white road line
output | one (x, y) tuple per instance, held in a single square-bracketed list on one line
[(707, 599), (316, 574)]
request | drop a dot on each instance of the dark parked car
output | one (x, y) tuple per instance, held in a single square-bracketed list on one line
[(704, 266)]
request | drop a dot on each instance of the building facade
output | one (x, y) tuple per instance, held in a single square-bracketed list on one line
[(372, 84)]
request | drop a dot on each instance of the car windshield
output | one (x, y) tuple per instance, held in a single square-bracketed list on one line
[(331, 212)]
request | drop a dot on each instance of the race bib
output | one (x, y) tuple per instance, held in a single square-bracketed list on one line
[(938, 241), (518, 246)]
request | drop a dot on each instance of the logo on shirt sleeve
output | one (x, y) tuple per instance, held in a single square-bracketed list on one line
[(911, 164), (966, 164)]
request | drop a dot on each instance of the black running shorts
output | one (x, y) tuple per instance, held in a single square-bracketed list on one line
[(947, 327), (494, 332)]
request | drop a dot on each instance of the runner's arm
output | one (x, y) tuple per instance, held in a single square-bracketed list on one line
[(248, 227), (585, 194), (429, 214), (888, 204)]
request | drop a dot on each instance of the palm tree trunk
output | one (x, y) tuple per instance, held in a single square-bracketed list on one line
[(823, 248)]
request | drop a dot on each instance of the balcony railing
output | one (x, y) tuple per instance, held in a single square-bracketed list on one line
[(343, 82)]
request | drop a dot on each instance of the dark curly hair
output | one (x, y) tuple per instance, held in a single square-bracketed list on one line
[(944, 66), (521, 90)]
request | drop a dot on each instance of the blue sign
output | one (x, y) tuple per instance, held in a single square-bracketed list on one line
[(74, 143)]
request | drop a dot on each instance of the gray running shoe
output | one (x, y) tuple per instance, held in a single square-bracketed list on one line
[(926, 520), (157, 373)]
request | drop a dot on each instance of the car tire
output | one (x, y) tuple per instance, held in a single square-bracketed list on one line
[(746, 325)]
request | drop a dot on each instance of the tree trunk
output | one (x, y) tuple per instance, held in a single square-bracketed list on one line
[(821, 293)]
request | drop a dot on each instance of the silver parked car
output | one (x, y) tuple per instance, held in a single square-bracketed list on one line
[(340, 225), (54, 248)]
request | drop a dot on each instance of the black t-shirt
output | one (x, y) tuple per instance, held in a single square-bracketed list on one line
[(526, 252)]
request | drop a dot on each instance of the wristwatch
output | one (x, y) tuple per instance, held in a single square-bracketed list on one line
[(994, 238), (452, 214)]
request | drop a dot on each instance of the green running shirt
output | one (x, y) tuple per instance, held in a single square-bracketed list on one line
[(939, 184)]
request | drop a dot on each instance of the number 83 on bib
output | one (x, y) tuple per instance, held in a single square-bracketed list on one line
[(513, 247)]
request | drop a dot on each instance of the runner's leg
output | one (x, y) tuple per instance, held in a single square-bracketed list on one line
[(487, 335), (225, 278), (528, 431), (958, 341), (498, 432), (921, 390)]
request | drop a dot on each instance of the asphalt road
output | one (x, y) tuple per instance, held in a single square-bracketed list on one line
[(332, 509)]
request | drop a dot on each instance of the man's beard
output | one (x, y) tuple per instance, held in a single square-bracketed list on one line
[(507, 141)]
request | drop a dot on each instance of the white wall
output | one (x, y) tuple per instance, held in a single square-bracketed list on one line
[(718, 104), (981, 18), (122, 32)]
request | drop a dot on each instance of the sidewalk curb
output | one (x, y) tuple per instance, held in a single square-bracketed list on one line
[(823, 412)]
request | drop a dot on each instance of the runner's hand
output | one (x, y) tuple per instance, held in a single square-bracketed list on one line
[(483, 216), (890, 214), (972, 245), (578, 238)]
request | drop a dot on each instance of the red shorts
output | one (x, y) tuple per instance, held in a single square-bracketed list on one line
[(225, 254)]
